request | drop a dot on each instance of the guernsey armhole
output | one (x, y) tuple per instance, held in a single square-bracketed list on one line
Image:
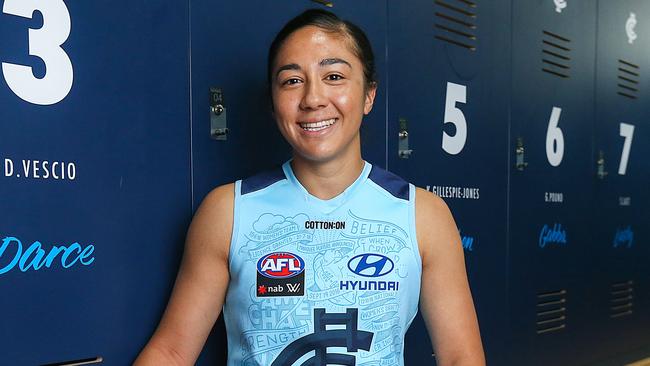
[(235, 223), (412, 228)]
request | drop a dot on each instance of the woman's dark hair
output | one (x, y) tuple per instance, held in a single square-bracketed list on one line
[(329, 22)]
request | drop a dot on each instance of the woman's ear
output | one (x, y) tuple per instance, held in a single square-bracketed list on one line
[(371, 92)]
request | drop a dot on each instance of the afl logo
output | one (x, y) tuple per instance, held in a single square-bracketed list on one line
[(371, 265), (280, 265)]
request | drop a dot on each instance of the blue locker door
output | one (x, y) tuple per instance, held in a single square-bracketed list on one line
[(94, 190), (550, 232), (448, 82), (622, 110), (229, 47)]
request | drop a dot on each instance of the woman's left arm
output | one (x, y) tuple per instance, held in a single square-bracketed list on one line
[(445, 299)]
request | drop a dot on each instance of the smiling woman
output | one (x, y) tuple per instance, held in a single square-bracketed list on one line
[(298, 293)]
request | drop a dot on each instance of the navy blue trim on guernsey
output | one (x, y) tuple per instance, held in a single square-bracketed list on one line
[(262, 180), (391, 182)]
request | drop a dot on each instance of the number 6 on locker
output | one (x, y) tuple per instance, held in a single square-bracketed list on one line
[(554, 139), (456, 93)]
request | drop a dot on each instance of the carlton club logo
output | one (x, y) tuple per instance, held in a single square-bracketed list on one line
[(350, 337), (280, 274), (630, 24)]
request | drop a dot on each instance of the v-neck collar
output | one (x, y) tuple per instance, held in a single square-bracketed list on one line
[(329, 205)]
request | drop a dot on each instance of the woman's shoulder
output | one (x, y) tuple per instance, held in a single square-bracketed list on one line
[(211, 226), (436, 229), (220, 195), (216, 209), (430, 203)]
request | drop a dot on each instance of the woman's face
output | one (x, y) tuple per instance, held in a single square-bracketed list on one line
[(318, 94)]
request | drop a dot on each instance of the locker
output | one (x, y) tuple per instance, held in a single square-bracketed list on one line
[(551, 182), (620, 282), (448, 99)]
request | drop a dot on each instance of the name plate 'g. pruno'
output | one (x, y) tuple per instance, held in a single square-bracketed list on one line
[(35, 257)]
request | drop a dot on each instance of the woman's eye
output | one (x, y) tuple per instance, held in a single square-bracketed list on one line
[(291, 81)]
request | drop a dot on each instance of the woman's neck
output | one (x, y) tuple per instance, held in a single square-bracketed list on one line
[(327, 179)]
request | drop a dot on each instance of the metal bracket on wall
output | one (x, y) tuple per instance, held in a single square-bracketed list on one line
[(520, 164), (600, 163), (403, 145), (218, 122)]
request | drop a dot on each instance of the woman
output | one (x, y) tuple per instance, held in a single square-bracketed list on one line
[(322, 261)]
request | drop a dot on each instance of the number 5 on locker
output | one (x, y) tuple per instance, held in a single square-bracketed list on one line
[(456, 93)]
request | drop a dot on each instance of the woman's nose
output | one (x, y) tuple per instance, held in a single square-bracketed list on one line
[(314, 96)]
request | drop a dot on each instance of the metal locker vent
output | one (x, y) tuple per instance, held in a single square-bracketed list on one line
[(456, 22), (555, 54), (621, 299), (628, 79), (551, 311)]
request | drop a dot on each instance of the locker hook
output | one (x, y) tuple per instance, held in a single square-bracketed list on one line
[(519, 153), (600, 163), (218, 122), (403, 143)]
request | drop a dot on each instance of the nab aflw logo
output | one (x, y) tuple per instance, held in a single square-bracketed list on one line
[(280, 274), (351, 337)]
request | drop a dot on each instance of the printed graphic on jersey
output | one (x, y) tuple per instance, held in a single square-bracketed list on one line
[(271, 233), (280, 274), (350, 337), (365, 253)]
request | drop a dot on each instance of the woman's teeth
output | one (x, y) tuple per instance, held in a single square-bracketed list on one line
[(317, 126)]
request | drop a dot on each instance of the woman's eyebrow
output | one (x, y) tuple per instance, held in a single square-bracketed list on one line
[(287, 67), (324, 62), (331, 61)]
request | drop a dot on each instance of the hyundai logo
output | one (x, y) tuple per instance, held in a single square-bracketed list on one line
[(371, 265)]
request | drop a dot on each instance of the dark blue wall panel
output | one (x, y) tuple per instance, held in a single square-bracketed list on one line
[(124, 125)]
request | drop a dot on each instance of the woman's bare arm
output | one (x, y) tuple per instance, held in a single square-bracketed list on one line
[(445, 299), (200, 287)]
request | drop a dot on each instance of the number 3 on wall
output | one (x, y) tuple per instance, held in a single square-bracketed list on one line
[(456, 93), (44, 43)]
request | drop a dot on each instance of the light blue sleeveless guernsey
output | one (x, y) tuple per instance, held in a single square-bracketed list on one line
[(321, 282)]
